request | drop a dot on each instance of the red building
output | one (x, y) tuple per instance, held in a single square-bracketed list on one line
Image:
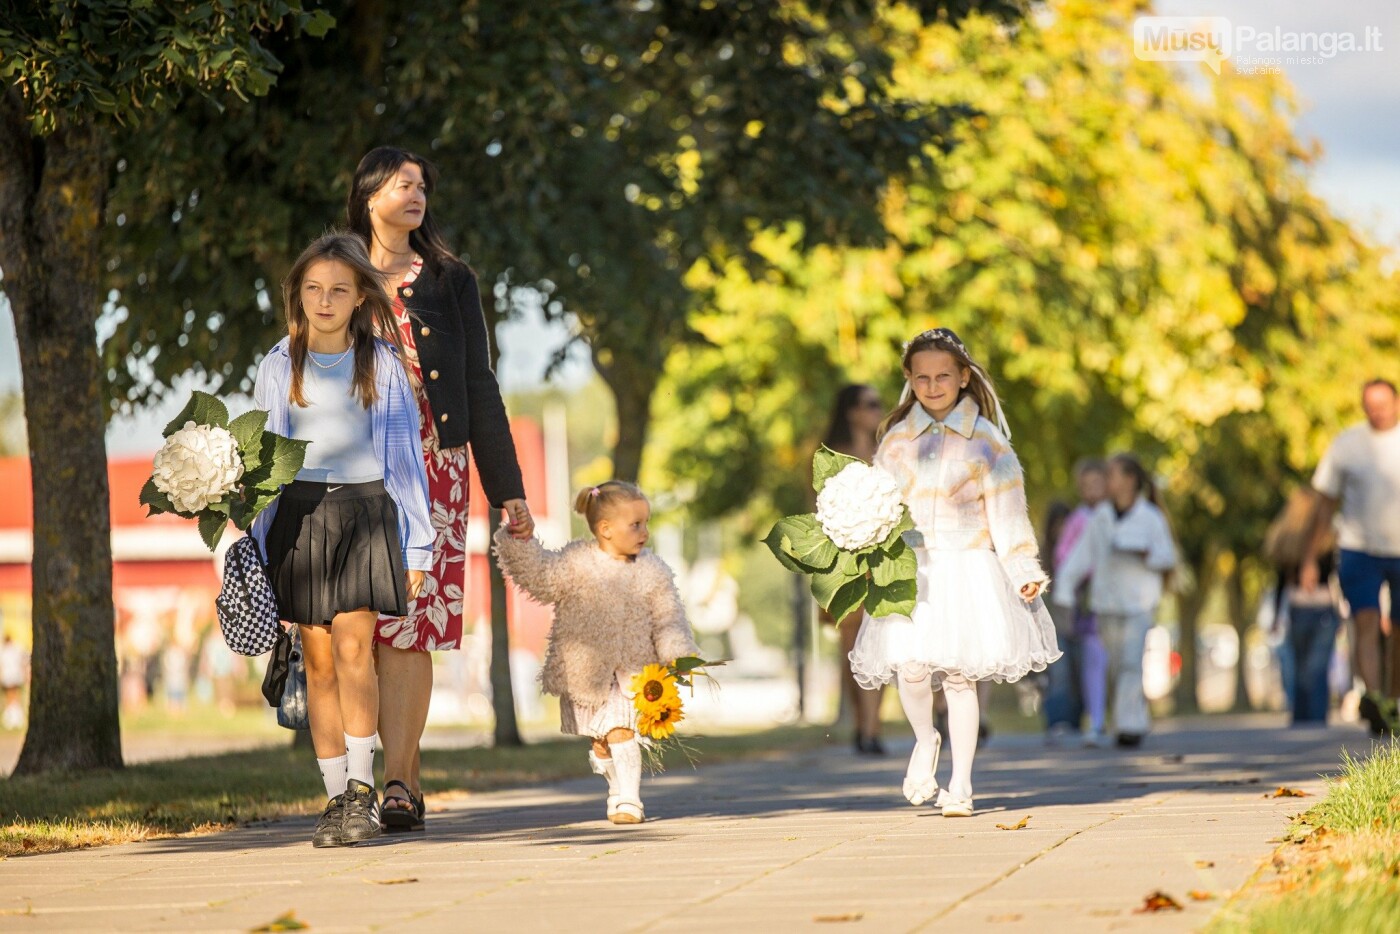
[(163, 577)]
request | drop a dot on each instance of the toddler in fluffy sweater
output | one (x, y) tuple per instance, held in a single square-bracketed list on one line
[(617, 610)]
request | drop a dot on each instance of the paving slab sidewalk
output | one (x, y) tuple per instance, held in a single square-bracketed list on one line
[(820, 840)]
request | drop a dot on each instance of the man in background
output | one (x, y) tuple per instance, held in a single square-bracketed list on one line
[(1359, 482)]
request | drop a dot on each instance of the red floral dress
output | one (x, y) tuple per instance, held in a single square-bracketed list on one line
[(434, 620)]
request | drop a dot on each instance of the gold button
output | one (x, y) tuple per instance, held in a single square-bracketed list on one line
[(433, 375), (408, 292), (424, 331), (442, 417)]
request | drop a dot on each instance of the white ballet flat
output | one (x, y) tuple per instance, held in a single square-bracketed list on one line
[(954, 805), (919, 791)]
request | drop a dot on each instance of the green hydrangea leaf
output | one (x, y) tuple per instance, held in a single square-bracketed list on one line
[(202, 409), (153, 499), (827, 464), (897, 563), (896, 598), (799, 543), (247, 430), (847, 598), (211, 527)]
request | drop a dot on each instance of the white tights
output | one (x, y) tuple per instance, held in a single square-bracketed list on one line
[(964, 721)]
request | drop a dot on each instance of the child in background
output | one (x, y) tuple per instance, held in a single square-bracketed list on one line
[(617, 610)]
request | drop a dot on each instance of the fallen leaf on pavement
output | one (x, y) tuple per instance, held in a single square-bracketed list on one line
[(1198, 896), (838, 919), (1019, 825), (1205, 864), (1283, 792), (1158, 901), (392, 881), (286, 922)]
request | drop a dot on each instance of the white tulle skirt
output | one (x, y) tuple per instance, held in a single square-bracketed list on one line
[(968, 620)]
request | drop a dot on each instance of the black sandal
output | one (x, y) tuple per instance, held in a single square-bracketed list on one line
[(399, 819)]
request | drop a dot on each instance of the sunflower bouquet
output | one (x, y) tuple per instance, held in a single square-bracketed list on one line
[(657, 699)]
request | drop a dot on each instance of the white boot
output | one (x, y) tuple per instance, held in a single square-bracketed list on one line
[(605, 768), (627, 764)]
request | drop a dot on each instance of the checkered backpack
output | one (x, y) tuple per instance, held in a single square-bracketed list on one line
[(246, 605)]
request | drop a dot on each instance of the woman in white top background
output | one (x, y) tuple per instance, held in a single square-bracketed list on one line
[(1127, 552)]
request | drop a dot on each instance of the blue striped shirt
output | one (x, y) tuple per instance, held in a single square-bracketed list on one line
[(398, 445)]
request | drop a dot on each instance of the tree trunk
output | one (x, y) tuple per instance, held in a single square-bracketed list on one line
[(1243, 621), (507, 729), (632, 383), (1188, 607), (51, 201), (502, 689)]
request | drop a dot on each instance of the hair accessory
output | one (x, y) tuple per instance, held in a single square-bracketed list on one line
[(593, 492), (940, 334)]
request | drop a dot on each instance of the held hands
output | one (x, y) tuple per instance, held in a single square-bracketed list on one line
[(520, 524), (1031, 591), (415, 584)]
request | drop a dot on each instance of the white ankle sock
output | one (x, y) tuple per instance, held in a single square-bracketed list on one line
[(964, 720), (917, 699), (360, 750), (333, 773)]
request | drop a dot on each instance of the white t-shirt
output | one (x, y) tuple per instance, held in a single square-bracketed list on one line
[(1362, 470)]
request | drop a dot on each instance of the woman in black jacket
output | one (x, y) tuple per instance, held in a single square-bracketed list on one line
[(438, 307)]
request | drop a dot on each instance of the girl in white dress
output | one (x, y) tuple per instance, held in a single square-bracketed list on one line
[(978, 615)]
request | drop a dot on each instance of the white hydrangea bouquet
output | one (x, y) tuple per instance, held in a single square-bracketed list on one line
[(219, 471), (853, 547)]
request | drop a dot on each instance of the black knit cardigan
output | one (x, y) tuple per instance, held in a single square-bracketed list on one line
[(449, 330)]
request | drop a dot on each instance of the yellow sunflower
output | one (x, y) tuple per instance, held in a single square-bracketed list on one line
[(655, 689), (660, 721)]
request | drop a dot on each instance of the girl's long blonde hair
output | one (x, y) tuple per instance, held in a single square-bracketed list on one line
[(1289, 537), (374, 313), (979, 385)]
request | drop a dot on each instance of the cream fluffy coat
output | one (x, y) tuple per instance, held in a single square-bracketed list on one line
[(611, 617)]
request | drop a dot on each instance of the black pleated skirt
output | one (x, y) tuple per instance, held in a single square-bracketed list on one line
[(334, 548)]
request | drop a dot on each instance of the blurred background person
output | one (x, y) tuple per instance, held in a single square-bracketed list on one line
[(1126, 555), (14, 674), (855, 417), (1359, 483), (1308, 618), (1077, 682)]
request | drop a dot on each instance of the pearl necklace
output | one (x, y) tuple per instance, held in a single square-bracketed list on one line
[(332, 365)]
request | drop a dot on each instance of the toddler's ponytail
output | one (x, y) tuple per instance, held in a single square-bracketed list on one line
[(594, 502)]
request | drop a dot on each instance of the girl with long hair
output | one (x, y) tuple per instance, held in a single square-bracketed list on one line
[(349, 538), (978, 614)]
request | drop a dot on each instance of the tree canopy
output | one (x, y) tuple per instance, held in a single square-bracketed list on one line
[(593, 150)]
